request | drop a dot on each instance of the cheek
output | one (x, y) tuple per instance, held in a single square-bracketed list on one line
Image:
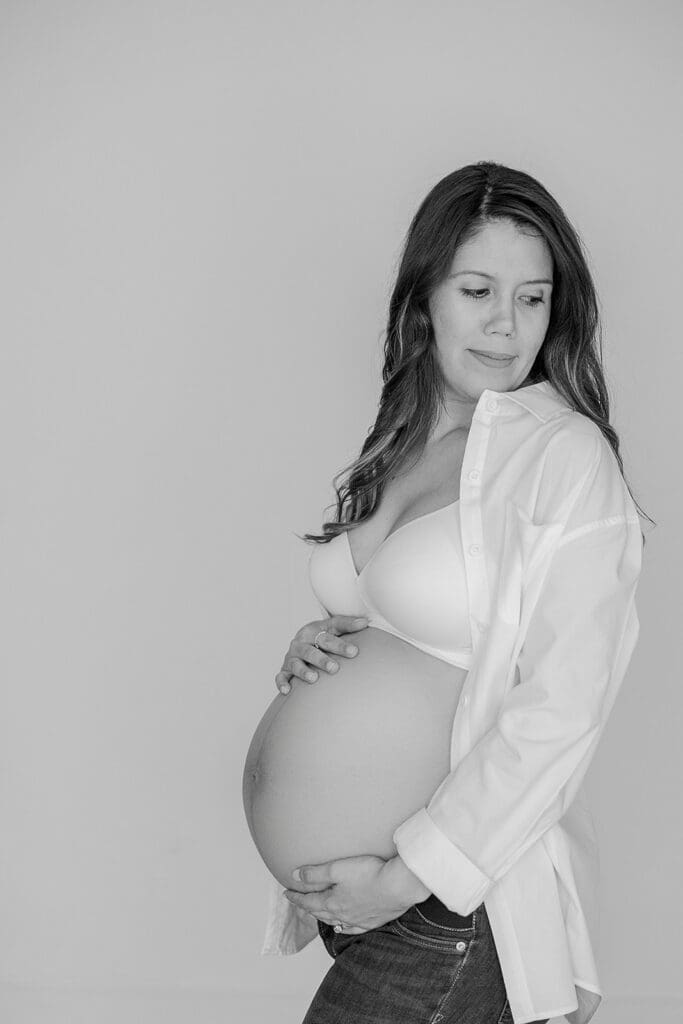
[(541, 329), (454, 322), (533, 347)]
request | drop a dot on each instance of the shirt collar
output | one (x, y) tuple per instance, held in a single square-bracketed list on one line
[(540, 399)]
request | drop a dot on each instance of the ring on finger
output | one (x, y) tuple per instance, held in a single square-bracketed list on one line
[(315, 641)]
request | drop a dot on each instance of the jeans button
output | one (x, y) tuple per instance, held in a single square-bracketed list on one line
[(461, 946)]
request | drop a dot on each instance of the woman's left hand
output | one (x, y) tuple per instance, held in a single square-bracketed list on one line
[(363, 892)]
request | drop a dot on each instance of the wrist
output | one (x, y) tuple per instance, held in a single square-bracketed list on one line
[(402, 883)]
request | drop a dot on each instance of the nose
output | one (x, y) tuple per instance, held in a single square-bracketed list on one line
[(502, 320)]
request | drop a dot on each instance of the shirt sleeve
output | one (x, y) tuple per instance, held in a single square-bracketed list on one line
[(520, 777)]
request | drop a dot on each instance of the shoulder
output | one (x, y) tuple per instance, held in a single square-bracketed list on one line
[(566, 445), (579, 471), (576, 440), (549, 428)]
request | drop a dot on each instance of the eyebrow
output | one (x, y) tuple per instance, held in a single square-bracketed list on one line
[(536, 280)]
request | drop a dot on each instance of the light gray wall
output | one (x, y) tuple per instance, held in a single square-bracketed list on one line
[(202, 206)]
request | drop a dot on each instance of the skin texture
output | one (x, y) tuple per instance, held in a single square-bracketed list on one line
[(501, 313), (335, 767), (504, 318)]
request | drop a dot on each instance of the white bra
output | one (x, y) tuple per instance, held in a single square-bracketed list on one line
[(413, 586)]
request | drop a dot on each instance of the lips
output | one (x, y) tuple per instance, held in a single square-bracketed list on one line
[(493, 362), (492, 355)]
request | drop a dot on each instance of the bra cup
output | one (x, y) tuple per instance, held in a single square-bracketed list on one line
[(333, 579), (414, 585), (416, 582)]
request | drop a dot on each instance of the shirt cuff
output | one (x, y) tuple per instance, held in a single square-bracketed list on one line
[(441, 866)]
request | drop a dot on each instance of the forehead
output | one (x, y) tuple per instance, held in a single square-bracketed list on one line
[(500, 247)]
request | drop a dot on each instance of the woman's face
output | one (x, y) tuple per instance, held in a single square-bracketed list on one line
[(496, 298)]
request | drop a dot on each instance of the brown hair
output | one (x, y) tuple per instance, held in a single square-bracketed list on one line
[(570, 357)]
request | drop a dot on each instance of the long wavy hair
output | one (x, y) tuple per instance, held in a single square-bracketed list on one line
[(413, 391)]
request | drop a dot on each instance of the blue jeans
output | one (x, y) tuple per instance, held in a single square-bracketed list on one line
[(428, 966)]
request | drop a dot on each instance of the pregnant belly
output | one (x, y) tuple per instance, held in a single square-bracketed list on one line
[(335, 766)]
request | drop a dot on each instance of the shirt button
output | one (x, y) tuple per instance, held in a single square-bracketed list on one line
[(492, 404), (480, 627), (474, 549), (473, 475), (465, 701), (461, 946)]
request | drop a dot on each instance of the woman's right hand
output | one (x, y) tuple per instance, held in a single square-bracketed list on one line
[(302, 654)]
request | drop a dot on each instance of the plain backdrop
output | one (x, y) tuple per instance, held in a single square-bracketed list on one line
[(202, 208)]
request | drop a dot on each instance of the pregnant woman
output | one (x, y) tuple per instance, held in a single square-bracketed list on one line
[(415, 787)]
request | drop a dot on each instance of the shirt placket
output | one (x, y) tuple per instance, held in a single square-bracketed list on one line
[(472, 535)]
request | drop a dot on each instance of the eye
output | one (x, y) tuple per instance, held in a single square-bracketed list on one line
[(476, 293)]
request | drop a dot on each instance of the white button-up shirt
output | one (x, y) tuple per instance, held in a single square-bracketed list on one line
[(553, 551)]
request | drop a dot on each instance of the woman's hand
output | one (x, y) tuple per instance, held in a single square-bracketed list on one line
[(362, 892), (302, 654)]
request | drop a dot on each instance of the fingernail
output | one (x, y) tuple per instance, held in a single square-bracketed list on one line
[(351, 649), (311, 676), (285, 689), (296, 873)]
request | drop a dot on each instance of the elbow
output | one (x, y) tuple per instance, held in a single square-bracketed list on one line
[(550, 727)]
